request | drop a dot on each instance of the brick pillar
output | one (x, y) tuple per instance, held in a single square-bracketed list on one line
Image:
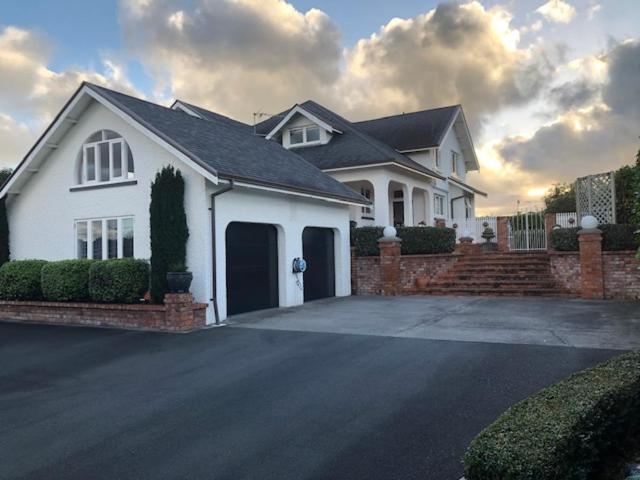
[(466, 246), (549, 222), (389, 265), (591, 272), (354, 272), (180, 313), (441, 223), (502, 235)]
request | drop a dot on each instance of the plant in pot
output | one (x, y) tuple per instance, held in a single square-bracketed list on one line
[(488, 235), (179, 278)]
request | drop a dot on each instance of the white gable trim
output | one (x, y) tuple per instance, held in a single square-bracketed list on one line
[(64, 116), (299, 110), (466, 140), (385, 164), (240, 183)]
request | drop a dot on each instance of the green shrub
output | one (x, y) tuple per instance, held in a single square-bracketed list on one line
[(66, 280), (619, 237), (424, 240), (122, 280), (565, 239), (365, 240), (169, 230), (572, 430), (615, 237), (20, 280), (415, 240)]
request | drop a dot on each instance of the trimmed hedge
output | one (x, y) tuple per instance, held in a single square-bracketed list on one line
[(573, 430), (20, 280), (415, 240), (122, 280), (615, 237), (66, 280)]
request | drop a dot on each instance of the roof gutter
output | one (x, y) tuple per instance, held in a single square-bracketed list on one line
[(214, 276)]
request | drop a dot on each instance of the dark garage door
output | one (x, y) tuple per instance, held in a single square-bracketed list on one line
[(317, 250), (252, 267)]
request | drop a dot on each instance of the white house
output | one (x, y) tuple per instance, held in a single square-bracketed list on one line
[(83, 191), (412, 166)]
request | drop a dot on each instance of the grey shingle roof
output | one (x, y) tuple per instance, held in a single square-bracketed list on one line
[(213, 116), (353, 147), (230, 150), (412, 131)]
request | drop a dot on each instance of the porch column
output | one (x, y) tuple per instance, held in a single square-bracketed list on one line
[(381, 203), (408, 205)]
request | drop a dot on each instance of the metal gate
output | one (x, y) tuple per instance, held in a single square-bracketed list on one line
[(526, 232)]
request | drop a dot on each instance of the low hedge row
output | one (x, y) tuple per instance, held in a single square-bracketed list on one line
[(415, 240), (615, 237), (110, 281), (573, 430)]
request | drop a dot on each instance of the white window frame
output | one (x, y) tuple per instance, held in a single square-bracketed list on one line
[(455, 156), (366, 193), (305, 142), (439, 201), (124, 160), (437, 159), (105, 239)]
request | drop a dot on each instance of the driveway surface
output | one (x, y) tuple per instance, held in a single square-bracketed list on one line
[(535, 321), (257, 403)]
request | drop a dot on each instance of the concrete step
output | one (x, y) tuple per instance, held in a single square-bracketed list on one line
[(492, 292)]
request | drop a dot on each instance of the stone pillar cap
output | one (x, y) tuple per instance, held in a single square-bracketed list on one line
[(589, 230), (389, 239)]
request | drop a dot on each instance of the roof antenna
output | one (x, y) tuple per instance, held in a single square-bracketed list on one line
[(257, 117)]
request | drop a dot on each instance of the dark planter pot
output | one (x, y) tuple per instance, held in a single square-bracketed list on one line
[(489, 247), (179, 282)]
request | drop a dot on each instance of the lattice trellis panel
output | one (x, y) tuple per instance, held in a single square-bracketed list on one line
[(596, 195)]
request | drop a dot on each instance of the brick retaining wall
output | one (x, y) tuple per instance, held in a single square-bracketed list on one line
[(178, 314), (621, 275), (565, 269)]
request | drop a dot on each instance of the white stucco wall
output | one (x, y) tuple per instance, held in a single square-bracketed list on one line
[(449, 143), (42, 218), (290, 214)]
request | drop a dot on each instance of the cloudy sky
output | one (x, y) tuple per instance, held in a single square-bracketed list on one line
[(551, 89)]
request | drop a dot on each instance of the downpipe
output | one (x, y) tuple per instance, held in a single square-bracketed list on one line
[(214, 277)]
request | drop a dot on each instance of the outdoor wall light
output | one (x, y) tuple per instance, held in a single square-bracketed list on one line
[(589, 222)]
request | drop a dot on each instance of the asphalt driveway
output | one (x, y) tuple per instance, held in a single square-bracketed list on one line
[(255, 403)]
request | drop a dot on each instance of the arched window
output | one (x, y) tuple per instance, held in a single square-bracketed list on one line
[(105, 157)]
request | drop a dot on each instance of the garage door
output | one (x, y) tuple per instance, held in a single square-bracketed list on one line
[(317, 250), (252, 267)]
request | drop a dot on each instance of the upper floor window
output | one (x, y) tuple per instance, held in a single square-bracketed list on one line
[(455, 156), (438, 204), (437, 158), (105, 157), (302, 135)]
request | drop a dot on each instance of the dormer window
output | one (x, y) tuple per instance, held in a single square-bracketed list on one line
[(304, 135), (105, 157)]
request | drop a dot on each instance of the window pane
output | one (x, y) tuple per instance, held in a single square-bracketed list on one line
[(110, 135), (91, 163), (127, 237), (130, 168), (313, 134), (117, 159), (112, 238), (295, 136), (104, 161), (96, 239), (81, 239), (96, 137)]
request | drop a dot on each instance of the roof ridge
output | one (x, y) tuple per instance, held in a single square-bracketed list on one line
[(457, 105)]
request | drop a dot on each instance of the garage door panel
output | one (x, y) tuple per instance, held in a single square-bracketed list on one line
[(252, 267), (318, 251)]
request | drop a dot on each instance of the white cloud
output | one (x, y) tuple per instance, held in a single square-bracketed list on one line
[(30, 90), (557, 11), (592, 10)]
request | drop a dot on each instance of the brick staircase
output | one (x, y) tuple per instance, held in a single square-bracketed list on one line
[(496, 274)]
